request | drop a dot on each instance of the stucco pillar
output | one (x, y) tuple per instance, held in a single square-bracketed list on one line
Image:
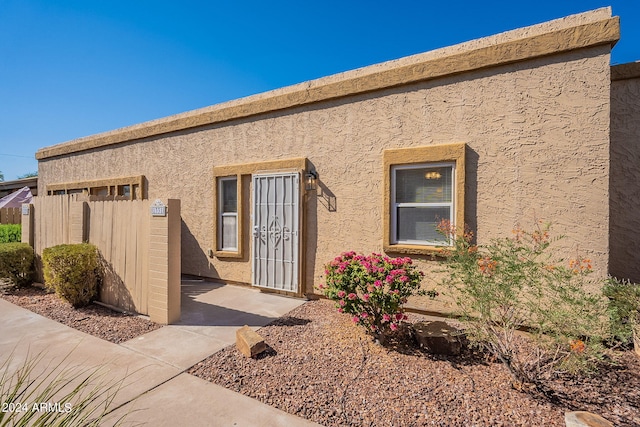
[(164, 264)]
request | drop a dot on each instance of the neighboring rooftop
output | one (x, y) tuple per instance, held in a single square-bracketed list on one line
[(8, 187)]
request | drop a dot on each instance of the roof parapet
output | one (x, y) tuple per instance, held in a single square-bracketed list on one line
[(574, 32)]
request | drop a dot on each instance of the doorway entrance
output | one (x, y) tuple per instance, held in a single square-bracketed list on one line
[(276, 231)]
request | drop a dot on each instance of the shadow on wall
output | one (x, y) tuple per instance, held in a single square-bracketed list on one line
[(624, 180), (471, 190), (113, 290), (194, 260), (326, 197), (320, 198)]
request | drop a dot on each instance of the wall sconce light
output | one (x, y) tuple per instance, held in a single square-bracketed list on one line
[(311, 180), (433, 175)]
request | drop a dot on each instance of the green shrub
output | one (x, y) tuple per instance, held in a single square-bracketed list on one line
[(16, 263), (10, 233), (516, 283), (71, 271), (624, 307)]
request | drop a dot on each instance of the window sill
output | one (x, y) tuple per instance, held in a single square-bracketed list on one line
[(227, 254), (416, 249)]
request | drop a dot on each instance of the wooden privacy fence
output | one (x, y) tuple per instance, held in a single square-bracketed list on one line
[(139, 253), (10, 215)]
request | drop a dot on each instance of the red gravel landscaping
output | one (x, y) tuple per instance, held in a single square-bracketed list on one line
[(322, 367), (94, 319)]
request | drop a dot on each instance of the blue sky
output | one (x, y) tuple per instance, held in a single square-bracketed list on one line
[(72, 68)]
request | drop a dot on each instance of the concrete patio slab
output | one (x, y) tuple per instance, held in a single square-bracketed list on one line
[(214, 304), (210, 315)]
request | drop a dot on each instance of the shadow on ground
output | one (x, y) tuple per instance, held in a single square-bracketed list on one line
[(214, 304)]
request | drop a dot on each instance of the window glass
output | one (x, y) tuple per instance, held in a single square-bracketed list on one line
[(228, 216), (422, 197), (424, 185), (229, 232), (229, 195), (419, 223)]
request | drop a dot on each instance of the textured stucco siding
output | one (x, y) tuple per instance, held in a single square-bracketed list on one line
[(537, 134), (625, 176)]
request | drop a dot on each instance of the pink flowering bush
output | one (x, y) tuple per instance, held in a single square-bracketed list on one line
[(372, 289)]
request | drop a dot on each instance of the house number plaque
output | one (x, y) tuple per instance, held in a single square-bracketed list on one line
[(158, 208)]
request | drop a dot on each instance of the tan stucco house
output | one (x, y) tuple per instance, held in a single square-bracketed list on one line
[(497, 132)]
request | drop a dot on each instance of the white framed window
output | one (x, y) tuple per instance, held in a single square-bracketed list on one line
[(228, 214), (421, 196)]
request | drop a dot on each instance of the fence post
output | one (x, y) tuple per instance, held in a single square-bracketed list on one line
[(27, 224), (164, 262)]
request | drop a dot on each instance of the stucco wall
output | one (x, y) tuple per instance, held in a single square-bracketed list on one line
[(537, 135), (625, 172)]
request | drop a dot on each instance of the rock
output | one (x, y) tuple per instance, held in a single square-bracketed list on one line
[(249, 342), (585, 419), (439, 338)]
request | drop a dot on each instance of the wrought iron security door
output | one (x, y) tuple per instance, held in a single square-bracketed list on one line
[(276, 231)]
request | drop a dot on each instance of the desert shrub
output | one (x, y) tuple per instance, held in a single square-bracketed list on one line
[(71, 271), (16, 263), (10, 233), (372, 289), (623, 308), (514, 284)]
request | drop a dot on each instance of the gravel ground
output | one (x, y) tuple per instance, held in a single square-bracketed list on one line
[(322, 367), (94, 319)]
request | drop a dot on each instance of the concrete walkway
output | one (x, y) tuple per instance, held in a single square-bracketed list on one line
[(153, 365)]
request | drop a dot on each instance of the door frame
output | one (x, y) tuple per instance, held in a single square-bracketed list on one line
[(244, 171)]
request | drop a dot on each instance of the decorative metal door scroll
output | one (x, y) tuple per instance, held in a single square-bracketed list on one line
[(275, 231)]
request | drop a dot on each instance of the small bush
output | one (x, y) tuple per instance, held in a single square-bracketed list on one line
[(624, 308), (10, 233), (16, 263), (372, 289), (71, 271), (516, 283)]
